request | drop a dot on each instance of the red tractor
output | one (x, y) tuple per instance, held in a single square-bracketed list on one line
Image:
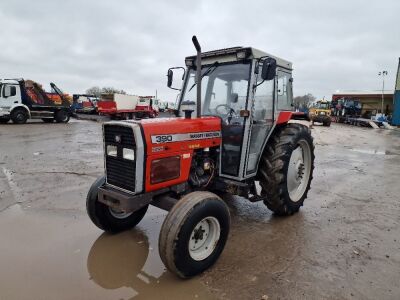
[(231, 134)]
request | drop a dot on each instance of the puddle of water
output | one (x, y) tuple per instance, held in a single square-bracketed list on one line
[(59, 257)]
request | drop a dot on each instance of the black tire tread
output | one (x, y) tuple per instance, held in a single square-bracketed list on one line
[(273, 168), (173, 223), (99, 215), (15, 112)]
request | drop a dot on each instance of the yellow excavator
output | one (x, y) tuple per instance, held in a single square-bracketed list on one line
[(320, 111)]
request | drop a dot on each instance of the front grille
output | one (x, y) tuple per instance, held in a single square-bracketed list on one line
[(120, 172)]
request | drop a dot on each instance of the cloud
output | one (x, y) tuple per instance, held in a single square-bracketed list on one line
[(334, 45)]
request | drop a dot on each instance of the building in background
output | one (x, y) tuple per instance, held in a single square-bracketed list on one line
[(371, 101)]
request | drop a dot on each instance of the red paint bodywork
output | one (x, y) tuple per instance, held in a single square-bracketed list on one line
[(110, 108), (184, 149), (106, 107), (284, 117)]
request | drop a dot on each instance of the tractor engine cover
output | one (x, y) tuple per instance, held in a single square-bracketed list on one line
[(170, 144)]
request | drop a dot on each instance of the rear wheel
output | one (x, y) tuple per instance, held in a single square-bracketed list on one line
[(61, 116), (194, 234), (286, 169), (19, 116), (107, 218), (48, 120)]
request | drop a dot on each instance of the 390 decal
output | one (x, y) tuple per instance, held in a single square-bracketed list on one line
[(163, 138), (168, 138)]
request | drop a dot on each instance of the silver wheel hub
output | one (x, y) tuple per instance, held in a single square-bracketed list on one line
[(299, 170), (119, 214), (204, 238)]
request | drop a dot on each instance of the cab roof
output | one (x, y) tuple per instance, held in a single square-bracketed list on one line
[(230, 54)]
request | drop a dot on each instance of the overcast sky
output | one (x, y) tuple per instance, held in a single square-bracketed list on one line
[(334, 45)]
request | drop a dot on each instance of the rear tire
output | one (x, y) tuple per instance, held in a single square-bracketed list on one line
[(19, 116), (48, 120), (194, 234), (61, 116), (106, 218), (288, 160)]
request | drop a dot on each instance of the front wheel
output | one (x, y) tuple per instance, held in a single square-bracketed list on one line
[(107, 218), (194, 234), (286, 169), (327, 123), (19, 116)]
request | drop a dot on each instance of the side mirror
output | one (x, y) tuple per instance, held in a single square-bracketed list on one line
[(268, 71), (170, 76)]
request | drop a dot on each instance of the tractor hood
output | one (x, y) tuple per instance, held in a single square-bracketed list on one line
[(180, 134)]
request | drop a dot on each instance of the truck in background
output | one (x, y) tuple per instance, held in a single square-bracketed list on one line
[(21, 100), (83, 103), (121, 106), (147, 107)]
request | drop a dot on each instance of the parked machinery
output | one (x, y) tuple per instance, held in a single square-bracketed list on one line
[(320, 112), (233, 137), (21, 100), (83, 103), (346, 108)]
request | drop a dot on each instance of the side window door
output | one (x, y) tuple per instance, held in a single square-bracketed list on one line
[(262, 117), (9, 94), (284, 91)]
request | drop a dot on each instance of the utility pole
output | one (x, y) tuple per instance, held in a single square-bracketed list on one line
[(383, 74)]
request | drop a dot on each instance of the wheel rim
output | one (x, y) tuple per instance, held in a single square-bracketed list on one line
[(119, 214), (204, 238), (299, 170), (20, 116)]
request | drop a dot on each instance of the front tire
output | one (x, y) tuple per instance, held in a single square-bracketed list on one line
[(327, 123), (194, 234), (19, 116), (286, 169), (107, 218)]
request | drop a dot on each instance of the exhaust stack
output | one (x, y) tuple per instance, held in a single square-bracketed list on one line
[(198, 74)]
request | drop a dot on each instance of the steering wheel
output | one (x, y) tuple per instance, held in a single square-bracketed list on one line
[(230, 112), (227, 108)]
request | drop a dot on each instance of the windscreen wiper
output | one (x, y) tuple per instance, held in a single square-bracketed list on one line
[(207, 72)]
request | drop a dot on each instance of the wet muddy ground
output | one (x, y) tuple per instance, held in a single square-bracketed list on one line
[(344, 243)]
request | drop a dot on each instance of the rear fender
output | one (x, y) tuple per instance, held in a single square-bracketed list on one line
[(284, 117)]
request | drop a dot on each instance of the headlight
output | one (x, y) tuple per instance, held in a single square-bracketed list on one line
[(165, 169), (128, 154), (111, 150)]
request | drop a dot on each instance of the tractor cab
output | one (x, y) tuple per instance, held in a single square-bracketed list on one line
[(234, 90)]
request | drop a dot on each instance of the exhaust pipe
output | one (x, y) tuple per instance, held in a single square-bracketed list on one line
[(198, 74)]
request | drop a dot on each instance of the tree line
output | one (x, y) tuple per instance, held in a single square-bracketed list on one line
[(97, 91)]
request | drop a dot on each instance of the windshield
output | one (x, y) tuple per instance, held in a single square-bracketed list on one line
[(323, 105), (223, 88)]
